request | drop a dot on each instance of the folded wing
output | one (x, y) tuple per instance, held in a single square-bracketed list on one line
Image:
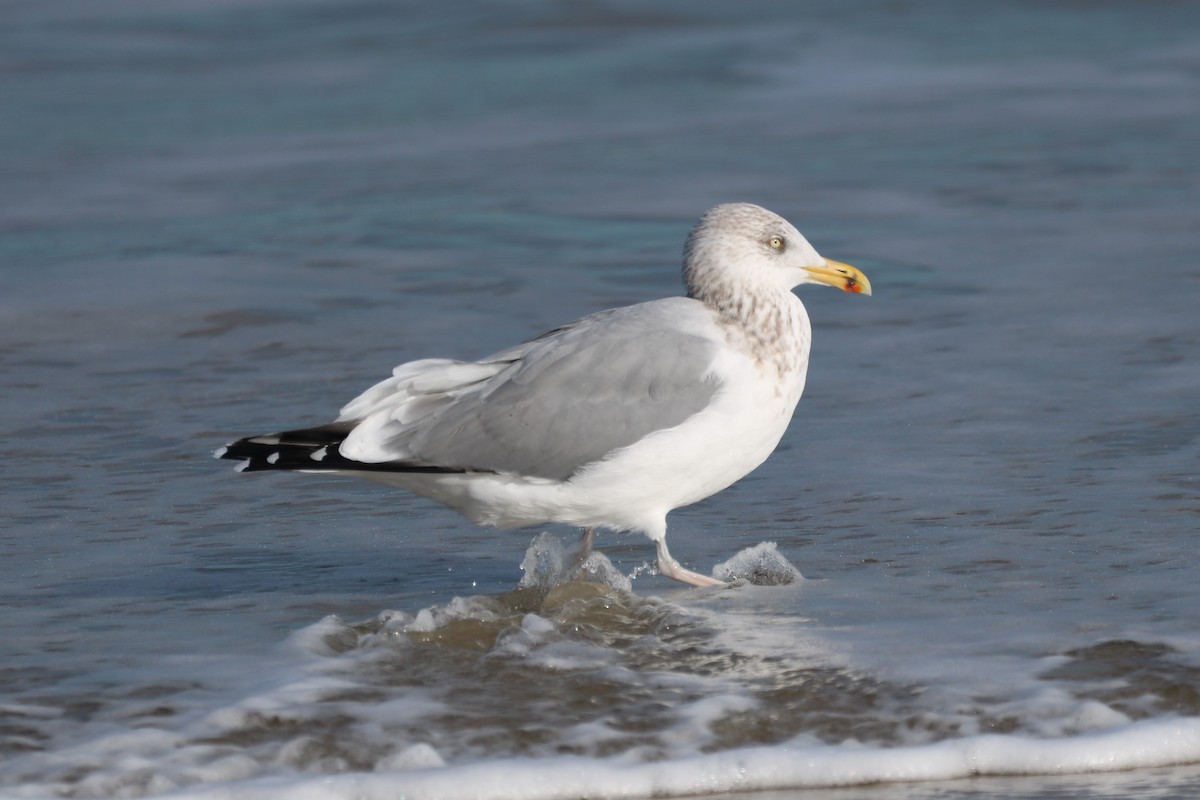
[(546, 407)]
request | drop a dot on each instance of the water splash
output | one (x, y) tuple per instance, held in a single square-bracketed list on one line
[(760, 565)]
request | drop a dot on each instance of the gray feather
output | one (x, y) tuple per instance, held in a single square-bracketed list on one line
[(575, 394)]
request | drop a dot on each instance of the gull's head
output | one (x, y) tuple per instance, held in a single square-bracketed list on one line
[(741, 244)]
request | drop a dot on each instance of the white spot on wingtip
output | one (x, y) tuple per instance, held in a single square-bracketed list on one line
[(242, 467), (221, 451), (273, 458), (319, 455)]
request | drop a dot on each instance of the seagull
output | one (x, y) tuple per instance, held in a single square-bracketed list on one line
[(610, 422)]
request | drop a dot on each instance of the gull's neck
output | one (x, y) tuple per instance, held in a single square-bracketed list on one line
[(762, 319)]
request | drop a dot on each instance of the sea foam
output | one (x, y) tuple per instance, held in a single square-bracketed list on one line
[(796, 765)]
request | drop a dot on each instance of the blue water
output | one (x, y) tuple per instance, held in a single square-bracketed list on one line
[(218, 219)]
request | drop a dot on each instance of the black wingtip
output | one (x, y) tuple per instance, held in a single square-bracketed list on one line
[(290, 450), (311, 450)]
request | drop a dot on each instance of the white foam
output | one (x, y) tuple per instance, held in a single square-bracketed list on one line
[(800, 765), (534, 624), (417, 756), (321, 638)]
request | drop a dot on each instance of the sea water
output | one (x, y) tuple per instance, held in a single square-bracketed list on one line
[(969, 570)]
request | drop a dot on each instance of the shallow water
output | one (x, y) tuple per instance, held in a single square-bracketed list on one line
[(219, 219)]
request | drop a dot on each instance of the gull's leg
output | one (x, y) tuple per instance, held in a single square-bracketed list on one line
[(585, 550), (671, 568)]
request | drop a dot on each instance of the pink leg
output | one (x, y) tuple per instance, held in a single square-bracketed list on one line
[(585, 550), (671, 568)]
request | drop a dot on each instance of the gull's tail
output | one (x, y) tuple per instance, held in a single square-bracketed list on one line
[(309, 450)]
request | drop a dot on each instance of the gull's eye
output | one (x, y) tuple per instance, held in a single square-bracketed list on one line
[(776, 243)]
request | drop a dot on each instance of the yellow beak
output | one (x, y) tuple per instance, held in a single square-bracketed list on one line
[(842, 276)]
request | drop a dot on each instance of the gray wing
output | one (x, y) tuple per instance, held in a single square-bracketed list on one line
[(575, 394)]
